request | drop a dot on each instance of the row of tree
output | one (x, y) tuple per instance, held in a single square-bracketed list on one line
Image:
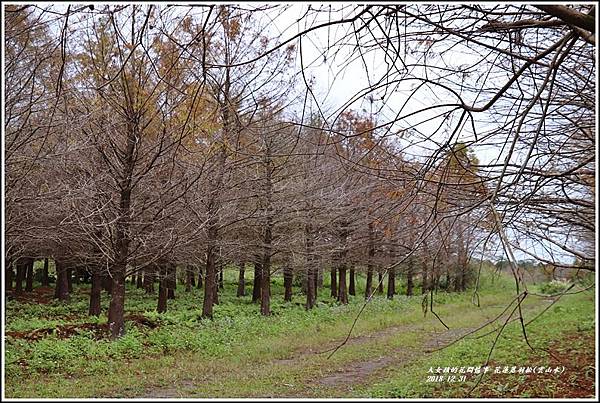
[(143, 137)]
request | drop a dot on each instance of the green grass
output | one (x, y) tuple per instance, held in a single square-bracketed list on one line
[(240, 353)]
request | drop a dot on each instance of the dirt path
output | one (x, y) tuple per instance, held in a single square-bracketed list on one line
[(355, 373)]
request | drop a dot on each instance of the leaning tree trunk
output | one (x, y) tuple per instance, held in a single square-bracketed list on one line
[(29, 275), (95, 292), (288, 279), (351, 286), (241, 288)]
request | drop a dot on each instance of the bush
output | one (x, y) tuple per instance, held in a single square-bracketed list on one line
[(554, 287)]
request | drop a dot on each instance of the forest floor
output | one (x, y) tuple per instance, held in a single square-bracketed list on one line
[(55, 350)]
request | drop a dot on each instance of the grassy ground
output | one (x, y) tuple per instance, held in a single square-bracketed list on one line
[(55, 350)]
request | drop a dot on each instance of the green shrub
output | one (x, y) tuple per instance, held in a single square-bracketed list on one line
[(554, 287)]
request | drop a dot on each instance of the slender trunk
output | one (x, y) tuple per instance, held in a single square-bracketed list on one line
[(288, 278), (139, 283), (257, 281), (116, 308), (210, 286), (343, 291), (334, 286), (265, 284), (189, 275), (193, 275), (62, 284), (29, 275), (380, 282), (21, 270), (171, 283), (241, 289), (45, 277), (391, 288), (149, 274), (95, 293), (351, 286), (8, 270), (163, 294), (310, 270)]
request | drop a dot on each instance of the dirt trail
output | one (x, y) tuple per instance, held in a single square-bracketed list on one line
[(357, 372)]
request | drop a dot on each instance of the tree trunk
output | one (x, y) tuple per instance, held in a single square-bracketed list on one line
[(210, 287), (265, 284), (95, 293), (311, 298), (29, 275), (139, 283), (62, 283), (221, 282), (380, 282), (342, 291), (288, 279), (241, 289), (334, 286), (162, 290), (351, 287), (391, 288), (189, 276), (21, 271), (116, 308), (149, 275), (107, 283), (8, 271), (193, 275), (45, 277), (171, 283)]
